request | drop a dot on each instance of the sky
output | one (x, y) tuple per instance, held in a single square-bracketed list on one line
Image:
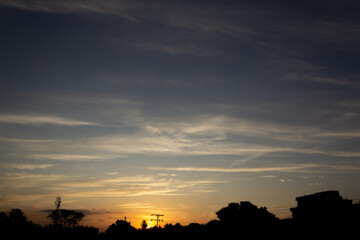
[(132, 108)]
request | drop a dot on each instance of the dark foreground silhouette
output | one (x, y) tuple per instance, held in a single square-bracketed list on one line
[(324, 215)]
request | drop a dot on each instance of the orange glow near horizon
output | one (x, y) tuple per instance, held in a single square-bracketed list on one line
[(176, 109), (150, 225)]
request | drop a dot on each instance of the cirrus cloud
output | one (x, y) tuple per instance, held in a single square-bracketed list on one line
[(41, 119)]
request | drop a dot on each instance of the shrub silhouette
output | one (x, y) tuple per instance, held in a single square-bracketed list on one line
[(120, 229), (245, 213)]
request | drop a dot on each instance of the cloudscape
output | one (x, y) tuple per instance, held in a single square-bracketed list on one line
[(132, 108)]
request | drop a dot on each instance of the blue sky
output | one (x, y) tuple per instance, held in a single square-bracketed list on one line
[(128, 108)]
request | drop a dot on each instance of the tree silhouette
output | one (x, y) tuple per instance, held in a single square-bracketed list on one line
[(247, 221), (56, 214), (14, 225), (245, 213), (63, 217), (66, 218), (120, 229), (143, 225), (16, 216)]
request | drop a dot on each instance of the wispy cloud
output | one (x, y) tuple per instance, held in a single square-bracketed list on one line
[(196, 22), (112, 173), (80, 187), (129, 181), (41, 119), (304, 168), (297, 76), (73, 6), (178, 48), (165, 145), (212, 135), (35, 178), (140, 183), (25, 166), (27, 141), (160, 192), (220, 127), (136, 205), (65, 157), (123, 193), (298, 168), (203, 17), (338, 31), (207, 19), (269, 176)]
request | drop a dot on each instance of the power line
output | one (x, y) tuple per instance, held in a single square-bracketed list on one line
[(157, 219)]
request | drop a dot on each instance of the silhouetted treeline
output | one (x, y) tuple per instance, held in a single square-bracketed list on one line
[(318, 216), (14, 225)]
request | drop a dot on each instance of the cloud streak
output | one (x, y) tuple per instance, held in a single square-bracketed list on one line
[(303, 168), (298, 168), (25, 166), (68, 6), (136, 205), (65, 157), (296, 76), (110, 187), (41, 119), (212, 135)]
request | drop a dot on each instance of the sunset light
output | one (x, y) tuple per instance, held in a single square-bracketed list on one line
[(169, 111), (150, 225)]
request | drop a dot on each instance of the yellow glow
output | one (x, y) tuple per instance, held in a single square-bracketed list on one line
[(150, 224)]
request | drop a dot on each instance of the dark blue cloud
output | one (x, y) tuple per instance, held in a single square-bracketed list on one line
[(180, 84)]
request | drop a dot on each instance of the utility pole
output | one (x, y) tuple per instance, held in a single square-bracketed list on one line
[(157, 219)]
